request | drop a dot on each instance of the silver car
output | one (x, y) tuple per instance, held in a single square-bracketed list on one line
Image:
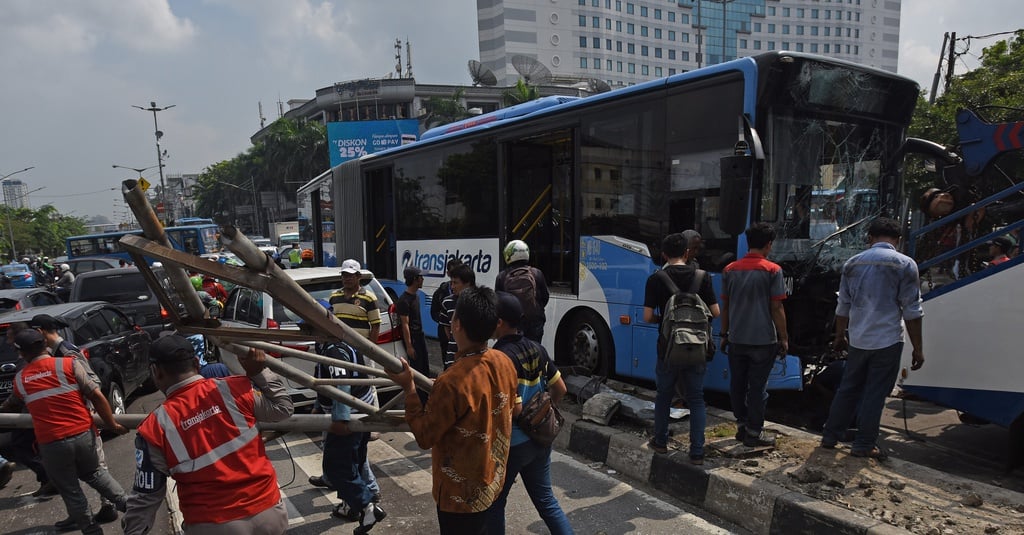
[(254, 309)]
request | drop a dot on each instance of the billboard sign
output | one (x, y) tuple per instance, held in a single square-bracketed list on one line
[(352, 139)]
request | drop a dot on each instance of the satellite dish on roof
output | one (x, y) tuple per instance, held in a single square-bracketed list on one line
[(481, 75), (598, 86), (532, 71)]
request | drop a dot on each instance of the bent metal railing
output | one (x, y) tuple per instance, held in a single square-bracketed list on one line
[(262, 274)]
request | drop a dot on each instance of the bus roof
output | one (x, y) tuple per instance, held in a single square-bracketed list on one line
[(556, 105)]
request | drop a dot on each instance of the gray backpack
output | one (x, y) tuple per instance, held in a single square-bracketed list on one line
[(685, 335)]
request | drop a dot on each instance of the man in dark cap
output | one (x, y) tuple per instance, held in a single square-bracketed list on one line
[(408, 307), (526, 458), (49, 327), (64, 427), (999, 248), (204, 435)]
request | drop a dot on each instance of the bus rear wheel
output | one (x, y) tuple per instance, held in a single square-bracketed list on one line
[(588, 344)]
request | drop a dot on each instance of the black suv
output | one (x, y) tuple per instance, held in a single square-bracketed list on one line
[(116, 348), (127, 288)]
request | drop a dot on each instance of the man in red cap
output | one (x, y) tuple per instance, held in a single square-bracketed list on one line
[(55, 390), (204, 435)]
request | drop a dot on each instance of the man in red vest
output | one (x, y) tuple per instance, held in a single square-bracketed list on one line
[(204, 435), (55, 390)]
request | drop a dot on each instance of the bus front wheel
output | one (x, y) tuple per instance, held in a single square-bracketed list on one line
[(589, 344)]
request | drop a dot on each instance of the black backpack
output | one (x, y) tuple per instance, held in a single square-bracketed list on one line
[(340, 351), (521, 283), (685, 334)]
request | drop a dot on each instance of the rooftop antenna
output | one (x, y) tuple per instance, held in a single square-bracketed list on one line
[(263, 120), (398, 57), (481, 75), (408, 58), (532, 71)]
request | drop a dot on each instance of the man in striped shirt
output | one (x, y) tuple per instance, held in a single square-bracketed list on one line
[(355, 306)]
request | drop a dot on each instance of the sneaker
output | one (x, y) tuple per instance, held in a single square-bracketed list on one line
[(343, 512), (68, 524), (318, 481), (759, 440), (368, 518), (741, 432), (106, 514), (6, 473), (92, 529), (657, 447), (45, 491), (697, 460)]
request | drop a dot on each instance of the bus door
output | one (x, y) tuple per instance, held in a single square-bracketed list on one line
[(380, 234), (540, 204)]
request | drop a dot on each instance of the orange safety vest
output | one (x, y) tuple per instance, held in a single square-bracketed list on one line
[(207, 432), (48, 387)]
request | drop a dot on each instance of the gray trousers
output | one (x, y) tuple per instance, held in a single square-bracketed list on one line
[(273, 521), (73, 458)]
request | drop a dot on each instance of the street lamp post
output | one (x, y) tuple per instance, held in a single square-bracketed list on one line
[(140, 171), (10, 229), (159, 156)]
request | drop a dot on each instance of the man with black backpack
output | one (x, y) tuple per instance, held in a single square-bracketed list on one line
[(685, 301), (753, 331), (527, 283)]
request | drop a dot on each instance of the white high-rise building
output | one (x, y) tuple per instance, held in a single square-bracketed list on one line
[(15, 193), (623, 42)]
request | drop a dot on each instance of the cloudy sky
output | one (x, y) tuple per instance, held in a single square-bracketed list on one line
[(71, 71)]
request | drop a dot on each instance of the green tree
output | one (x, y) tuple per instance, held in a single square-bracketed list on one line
[(40, 231), (522, 92), (292, 151), (444, 110)]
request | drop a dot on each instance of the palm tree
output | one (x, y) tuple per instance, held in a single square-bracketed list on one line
[(522, 92), (444, 110)]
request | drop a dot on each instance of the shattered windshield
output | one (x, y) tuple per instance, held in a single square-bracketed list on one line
[(822, 182)]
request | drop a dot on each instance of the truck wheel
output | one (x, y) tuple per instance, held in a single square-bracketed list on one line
[(588, 344)]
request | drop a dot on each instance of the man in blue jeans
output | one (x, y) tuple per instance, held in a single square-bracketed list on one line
[(527, 459), (879, 293), (676, 251), (753, 331)]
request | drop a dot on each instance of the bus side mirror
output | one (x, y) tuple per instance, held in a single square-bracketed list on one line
[(734, 199)]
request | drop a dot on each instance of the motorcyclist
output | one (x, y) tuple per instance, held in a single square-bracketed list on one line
[(65, 278)]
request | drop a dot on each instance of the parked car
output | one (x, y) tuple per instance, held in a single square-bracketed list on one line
[(20, 275), (92, 263), (254, 309), (22, 298), (126, 288), (116, 348)]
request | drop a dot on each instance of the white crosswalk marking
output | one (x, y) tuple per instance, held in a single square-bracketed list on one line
[(407, 473)]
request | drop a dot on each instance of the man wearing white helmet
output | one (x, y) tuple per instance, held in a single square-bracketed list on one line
[(67, 278), (527, 283)]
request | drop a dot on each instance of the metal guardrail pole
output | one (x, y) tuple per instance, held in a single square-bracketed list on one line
[(299, 422)]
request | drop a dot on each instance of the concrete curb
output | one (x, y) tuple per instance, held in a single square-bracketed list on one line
[(754, 504)]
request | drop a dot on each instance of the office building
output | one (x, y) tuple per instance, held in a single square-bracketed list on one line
[(623, 42), (15, 193)]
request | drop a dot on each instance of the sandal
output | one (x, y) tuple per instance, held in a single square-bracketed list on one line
[(873, 453)]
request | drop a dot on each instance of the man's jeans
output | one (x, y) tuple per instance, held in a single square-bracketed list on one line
[(344, 457), (749, 367), (692, 379), (869, 377), (533, 464), (74, 458)]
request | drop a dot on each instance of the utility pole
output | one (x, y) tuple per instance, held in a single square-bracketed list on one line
[(950, 62), (699, 57), (159, 156), (938, 69)]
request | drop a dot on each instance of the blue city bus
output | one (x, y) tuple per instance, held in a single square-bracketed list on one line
[(195, 239), (593, 185)]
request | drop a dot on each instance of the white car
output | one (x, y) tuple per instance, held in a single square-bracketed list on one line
[(254, 309)]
